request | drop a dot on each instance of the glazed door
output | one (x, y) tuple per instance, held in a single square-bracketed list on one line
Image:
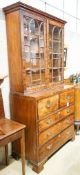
[(33, 50), (55, 52)]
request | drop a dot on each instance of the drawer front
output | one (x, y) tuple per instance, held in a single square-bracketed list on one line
[(48, 105), (55, 143), (66, 98), (56, 129), (44, 124), (67, 111)]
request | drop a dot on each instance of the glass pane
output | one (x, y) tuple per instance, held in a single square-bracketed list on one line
[(28, 61), (56, 75), (26, 25), (41, 38), (35, 76), (55, 53), (34, 45), (35, 63), (57, 63), (56, 33), (41, 42), (42, 29), (33, 26), (34, 51), (26, 40), (42, 61)]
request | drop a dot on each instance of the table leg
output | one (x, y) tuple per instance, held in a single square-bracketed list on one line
[(6, 155), (22, 140)]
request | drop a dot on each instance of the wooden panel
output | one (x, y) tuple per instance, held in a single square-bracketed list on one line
[(77, 103), (22, 110), (55, 143), (52, 119), (67, 111), (56, 129), (66, 98), (14, 51), (1, 106), (47, 105)]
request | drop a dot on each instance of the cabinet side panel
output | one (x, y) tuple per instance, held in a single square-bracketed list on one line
[(14, 51), (23, 109), (77, 104)]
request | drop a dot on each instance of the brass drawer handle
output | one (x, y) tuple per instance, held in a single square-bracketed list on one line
[(67, 97), (68, 111), (49, 146), (49, 122), (49, 133), (67, 104), (49, 104)]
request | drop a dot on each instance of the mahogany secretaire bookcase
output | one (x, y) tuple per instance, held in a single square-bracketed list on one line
[(38, 96)]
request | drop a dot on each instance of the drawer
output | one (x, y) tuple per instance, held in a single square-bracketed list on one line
[(52, 119), (65, 112), (55, 143), (66, 98), (56, 129), (47, 105)]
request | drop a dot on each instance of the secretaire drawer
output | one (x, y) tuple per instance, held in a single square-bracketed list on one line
[(47, 105), (56, 129), (55, 143), (66, 98), (52, 119)]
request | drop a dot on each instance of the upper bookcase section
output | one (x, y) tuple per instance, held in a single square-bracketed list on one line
[(35, 48)]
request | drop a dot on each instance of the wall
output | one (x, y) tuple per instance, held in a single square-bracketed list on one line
[(4, 62)]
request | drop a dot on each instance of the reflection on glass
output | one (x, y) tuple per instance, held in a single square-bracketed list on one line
[(34, 45), (26, 40), (55, 76), (26, 25), (42, 29), (55, 53), (33, 26), (34, 50), (41, 43), (35, 63)]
